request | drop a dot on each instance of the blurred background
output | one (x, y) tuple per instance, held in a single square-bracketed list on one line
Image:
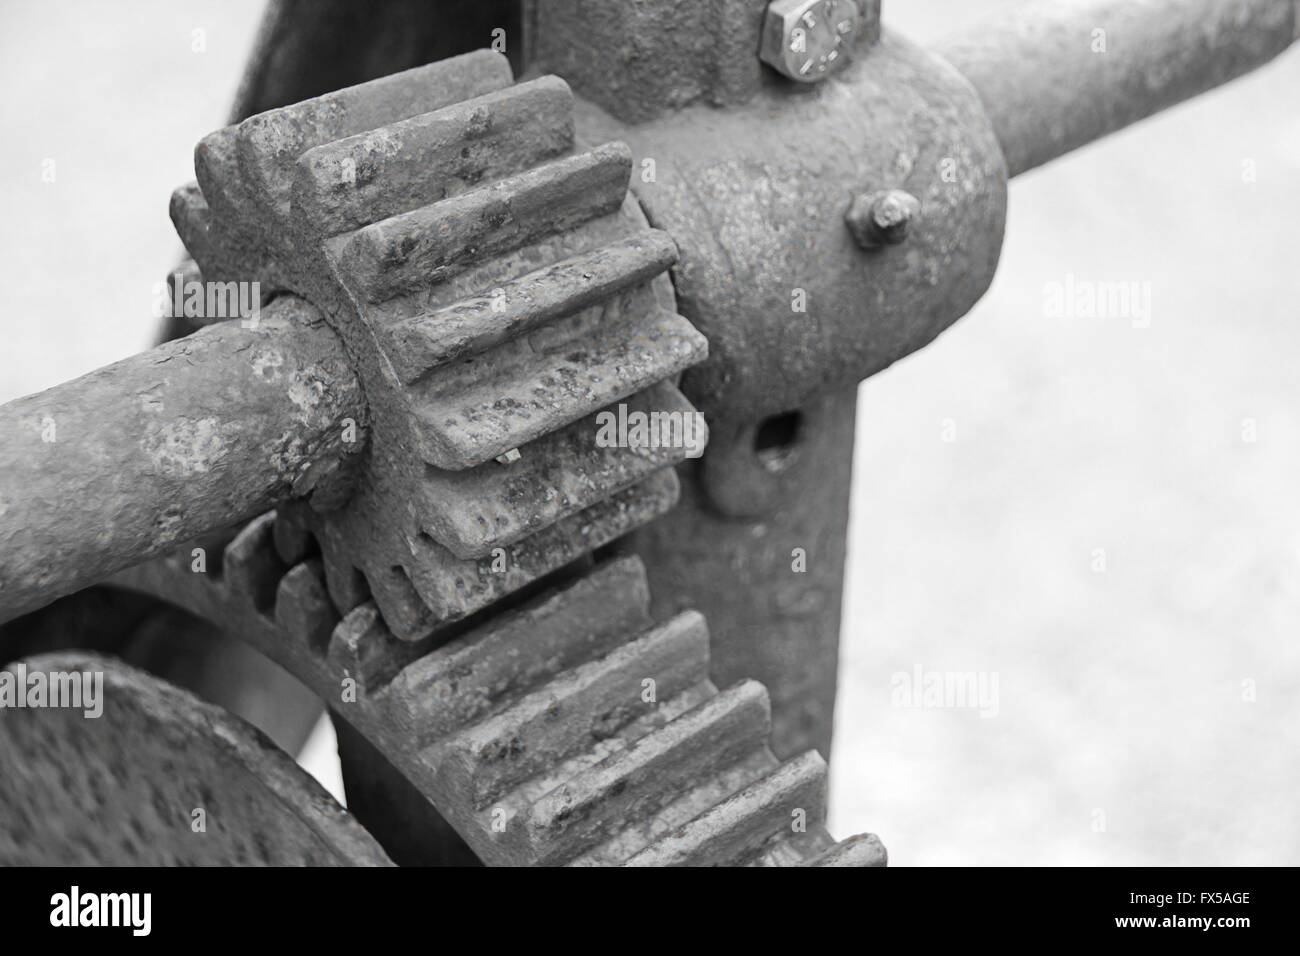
[(1100, 514)]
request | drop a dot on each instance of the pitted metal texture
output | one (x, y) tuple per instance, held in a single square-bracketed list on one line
[(496, 288)]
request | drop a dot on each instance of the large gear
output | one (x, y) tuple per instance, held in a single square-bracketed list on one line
[(570, 729)]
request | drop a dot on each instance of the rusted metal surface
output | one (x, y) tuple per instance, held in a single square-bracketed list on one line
[(569, 730), (416, 196), (158, 778), (796, 313), (1056, 76), (863, 850), (756, 197), (808, 40), (758, 545), (881, 218), (790, 304), (642, 60), (131, 460)]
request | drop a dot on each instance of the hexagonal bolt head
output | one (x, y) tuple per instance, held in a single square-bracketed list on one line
[(881, 218), (807, 39)]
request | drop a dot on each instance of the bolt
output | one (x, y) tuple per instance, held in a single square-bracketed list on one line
[(881, 218), (806, 40)]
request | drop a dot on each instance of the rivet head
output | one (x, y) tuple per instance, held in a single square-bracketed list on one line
[(881, 218)]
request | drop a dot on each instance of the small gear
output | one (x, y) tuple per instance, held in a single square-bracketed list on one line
[(496, 287)]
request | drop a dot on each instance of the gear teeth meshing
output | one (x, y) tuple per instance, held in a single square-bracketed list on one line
[(498, 288), (536, 734), (566, 473), (440, 587), (463, 681)]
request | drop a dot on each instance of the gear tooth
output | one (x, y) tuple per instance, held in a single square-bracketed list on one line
[(218, 175), (192, 219), (461, 681), (292, 533), (250, 567), (269, 144), (352, 182), (427, 340), (226, 194), (303, 609), (571, 713), (745, 821), (865, 849), (409, 251), (407, 612), (453, 588), (467, 417), (558, 475), (346, 584), (359, 630), (229, 245), (362, 647), (596, 802)]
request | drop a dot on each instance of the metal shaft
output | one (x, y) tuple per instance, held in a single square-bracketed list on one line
[(136, 458), (1056, 76)]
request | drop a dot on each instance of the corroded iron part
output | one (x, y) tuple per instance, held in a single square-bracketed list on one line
[(797, 314), (807, 40), (642, 60), (758, 218), (569, 730), (791, 306), (497, 288), (757, 544), (131, 460), (881, 218), (123, 788), (1055, 76)]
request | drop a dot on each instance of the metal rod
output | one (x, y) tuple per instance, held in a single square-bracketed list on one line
[(1056, 76), (136, 458)]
